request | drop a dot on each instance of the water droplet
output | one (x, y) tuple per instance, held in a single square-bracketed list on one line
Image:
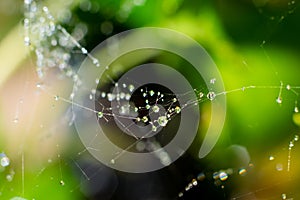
[(155, 109), (103, 94), (162, 120), (211, 96), (112, 161), (84, 51), (296, 109), (154, 128), (145, 119), (96, 62), (9, 178), (144, 94), (4, 160), (223, 176), (283, 196), (177, 109), (242, 172), (279, 100), (100, 115), (56, 97), (72, 95), (148, 106), (296, 138), (288, 87), (27, 2), (279, 167), (201, 177), (27, 41), (111, 97), (136, 109), (130, 88), (271, 158), (180, 194), (194, 182), (174, 100), (201, 94), (61, 182), (215, 175), (212, 81), (127, 96), (151, 93)]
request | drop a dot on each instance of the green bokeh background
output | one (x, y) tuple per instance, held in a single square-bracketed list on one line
[(252, 43)]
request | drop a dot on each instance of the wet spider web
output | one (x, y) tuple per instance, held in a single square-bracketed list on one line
[(280, 163)]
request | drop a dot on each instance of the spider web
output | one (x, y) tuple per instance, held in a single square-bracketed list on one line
[(70, 169)]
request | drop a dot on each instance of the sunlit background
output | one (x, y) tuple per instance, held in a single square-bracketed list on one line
[(255, 45)]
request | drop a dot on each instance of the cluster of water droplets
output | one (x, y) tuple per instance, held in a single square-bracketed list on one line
[(53, 44)]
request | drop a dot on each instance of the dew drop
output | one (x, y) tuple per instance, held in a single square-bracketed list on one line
[(27, 41), (201, 94), (154, 128), (103, 94), (296, 138), (56, 97), (271, 158), (201, 177), (136, 109), (296, 109), (130, 88), (4, 160), (100, 115), (212, 81), (145, 119), (211, 96), (279, 100), (242, 172), (155, 109), (61, 182), (288, 87), (151, 93), (177, 109), (283, 196), (9, 178), (96, 62), (112, 161), (27, 2), (127, 96), (72, 95), (223, 176), (84, 51), (180, 194), (162, 120), (194, 182), (279, 167), (111, 97), (215, 175)]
